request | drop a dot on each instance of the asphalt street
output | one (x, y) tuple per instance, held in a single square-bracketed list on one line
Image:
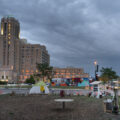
[(16, 90), (53, 91)]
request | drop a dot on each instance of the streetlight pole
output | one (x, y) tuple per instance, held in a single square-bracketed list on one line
[(116, 98), (95, 64)]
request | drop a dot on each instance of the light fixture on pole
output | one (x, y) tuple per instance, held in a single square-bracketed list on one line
[(95, 63), (96, 69)]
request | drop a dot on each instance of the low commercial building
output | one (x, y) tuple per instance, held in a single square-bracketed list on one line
[(70, 72), (70, 77)]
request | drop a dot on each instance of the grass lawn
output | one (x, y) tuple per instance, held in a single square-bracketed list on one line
[(67, 87), (43, 107), (30, 86)]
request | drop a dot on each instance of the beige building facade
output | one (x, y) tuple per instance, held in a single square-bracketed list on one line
[(30, 55), (70, 72), (18, 58)]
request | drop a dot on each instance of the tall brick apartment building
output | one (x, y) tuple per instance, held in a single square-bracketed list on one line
[(18, 58)]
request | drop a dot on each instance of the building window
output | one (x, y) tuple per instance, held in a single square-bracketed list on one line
[(9, 42), (31, 61), (2, 77), (6, 77), (5, 28), (2, 30)]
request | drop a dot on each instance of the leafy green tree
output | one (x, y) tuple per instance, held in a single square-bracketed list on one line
[(30, 80), (108, 74), (44, 70)]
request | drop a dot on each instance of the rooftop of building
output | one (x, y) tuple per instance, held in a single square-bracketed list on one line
[(9, 17)]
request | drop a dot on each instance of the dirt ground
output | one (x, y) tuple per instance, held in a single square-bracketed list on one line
[(43, 107)]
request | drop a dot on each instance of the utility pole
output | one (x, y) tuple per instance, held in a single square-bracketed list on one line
[(96, 70)]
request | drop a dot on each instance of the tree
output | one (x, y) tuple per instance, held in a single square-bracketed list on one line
[(44, 70), (108, 74), (30, 80)]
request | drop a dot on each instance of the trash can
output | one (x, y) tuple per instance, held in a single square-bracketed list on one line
[(108, 105), (100, 96), (115, 109)]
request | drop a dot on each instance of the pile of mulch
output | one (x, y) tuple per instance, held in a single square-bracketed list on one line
[(43, 107)]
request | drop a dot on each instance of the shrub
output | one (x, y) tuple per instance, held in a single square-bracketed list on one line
[(3, 82), (30, 80)]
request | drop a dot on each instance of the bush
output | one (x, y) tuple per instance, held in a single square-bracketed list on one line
[(3, 82), (30, 80)]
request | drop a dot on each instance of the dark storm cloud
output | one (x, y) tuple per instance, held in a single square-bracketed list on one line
[(76, 32), (108, 7)]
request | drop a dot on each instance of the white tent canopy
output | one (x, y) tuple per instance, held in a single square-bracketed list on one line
[(36, 89), (95, 83)]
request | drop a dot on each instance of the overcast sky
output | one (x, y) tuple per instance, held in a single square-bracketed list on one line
[(75, 32)]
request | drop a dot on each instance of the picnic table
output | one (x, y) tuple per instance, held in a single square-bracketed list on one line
[(63, 101)]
